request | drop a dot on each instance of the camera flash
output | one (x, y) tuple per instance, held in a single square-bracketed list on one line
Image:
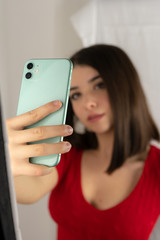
[(36, 70)]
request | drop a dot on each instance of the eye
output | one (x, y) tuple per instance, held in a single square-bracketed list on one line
[(100, 85), (75, 96)]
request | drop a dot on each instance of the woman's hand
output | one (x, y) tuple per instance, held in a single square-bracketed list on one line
[(18, 137)]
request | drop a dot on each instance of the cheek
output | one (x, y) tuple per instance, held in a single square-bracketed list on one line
[(104, 101), (76, 109)]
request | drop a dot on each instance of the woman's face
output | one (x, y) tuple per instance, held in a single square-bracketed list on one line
[(90, 100)]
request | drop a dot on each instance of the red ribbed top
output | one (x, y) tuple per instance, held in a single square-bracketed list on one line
[(132, 219)]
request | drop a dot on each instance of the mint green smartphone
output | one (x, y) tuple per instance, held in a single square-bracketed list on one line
[(46, 80)]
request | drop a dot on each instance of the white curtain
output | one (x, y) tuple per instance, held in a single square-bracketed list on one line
[(135, 27)]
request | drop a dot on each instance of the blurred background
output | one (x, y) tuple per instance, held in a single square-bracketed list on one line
[(58, 28)]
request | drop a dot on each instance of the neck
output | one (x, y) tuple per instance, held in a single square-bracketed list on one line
[(105, 146)]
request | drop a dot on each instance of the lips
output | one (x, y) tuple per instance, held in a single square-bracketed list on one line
[(94, 117)]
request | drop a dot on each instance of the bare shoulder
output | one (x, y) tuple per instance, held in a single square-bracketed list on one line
[(155, 144)]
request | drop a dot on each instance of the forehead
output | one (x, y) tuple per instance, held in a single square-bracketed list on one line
[(82, 73)]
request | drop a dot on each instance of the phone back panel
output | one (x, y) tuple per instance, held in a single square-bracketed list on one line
[(50, 81)]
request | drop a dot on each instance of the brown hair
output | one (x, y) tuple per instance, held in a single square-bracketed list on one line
[(133, 124)]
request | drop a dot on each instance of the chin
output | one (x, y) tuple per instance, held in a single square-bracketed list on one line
[(103, 130), (99, 131)]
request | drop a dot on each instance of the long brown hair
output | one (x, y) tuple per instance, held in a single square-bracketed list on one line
[(133, 123)]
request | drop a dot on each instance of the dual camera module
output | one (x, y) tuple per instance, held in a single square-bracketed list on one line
[(29, 67)]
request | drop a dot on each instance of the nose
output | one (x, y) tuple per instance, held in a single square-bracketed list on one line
[(90, 104)]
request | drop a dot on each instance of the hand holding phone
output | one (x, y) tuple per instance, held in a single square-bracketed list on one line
[(46, 80), (20, 152)]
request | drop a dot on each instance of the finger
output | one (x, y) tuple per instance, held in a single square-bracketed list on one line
[(41, 133), (29, 169), (34, 116), (42, 149)]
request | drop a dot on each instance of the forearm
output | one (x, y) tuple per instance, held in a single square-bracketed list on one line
[(32, 189), (33, 181), (28, 189)]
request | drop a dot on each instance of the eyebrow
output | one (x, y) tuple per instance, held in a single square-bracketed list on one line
[(90, 80)]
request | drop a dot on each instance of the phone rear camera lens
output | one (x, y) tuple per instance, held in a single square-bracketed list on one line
[(28, 75), (30, 65)]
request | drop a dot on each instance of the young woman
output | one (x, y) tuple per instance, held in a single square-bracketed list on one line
[(108, 185)]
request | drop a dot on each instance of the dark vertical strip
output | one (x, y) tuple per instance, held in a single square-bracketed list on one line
[(7, 230)]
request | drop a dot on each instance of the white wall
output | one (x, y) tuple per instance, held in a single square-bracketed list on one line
[(3, 53), (33, 29), (36, 29)]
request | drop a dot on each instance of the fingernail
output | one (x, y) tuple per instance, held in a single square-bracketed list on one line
[(68, 147), (57, 103), (69, 130)]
